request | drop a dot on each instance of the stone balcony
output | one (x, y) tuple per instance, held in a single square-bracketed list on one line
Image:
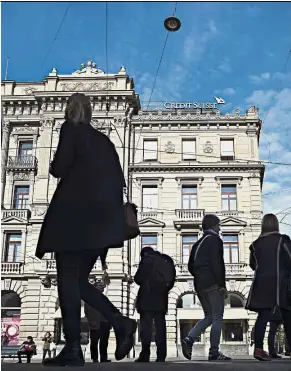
[(188, 218), (11, 268), (16, 163), (20, 215)]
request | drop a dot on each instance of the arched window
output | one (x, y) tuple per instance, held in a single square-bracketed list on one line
[(10, 316), (188, 301), (234, 301)]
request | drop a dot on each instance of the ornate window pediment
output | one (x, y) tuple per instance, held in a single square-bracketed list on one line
[(189, 180), (232, 222), (150, 222)]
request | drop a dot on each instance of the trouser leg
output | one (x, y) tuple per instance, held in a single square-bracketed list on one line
[(94, 339), (146, 328), (73, 269), (104, 338), (216, 299), (201, 325), (161, 336), (260, 327)]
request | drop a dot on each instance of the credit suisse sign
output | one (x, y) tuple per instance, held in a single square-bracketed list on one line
[(194, 105)]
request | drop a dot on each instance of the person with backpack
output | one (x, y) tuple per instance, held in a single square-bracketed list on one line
[(156, 276), (206, 264)]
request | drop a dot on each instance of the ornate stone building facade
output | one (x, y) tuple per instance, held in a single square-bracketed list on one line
[(188, 163), (179, 165)]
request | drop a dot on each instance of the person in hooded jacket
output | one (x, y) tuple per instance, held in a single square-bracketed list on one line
[(270, 258), (85, 217)]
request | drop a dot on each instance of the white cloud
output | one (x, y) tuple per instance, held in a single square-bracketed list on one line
[(226, 91), (257, 79), (195, 45), (224, 66), (275, 145)]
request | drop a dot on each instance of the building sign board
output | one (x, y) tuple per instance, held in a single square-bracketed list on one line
[(195, 105)]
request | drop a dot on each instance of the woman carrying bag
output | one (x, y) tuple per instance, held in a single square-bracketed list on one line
[(270, 258)]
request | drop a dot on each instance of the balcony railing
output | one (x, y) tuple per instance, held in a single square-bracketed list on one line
[(191, 214), (15, 213), (235, 269), (50, 265), (150, 214), (11, 268), (21, 162)]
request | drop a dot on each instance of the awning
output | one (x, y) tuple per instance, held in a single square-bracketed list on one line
[(229, 314)]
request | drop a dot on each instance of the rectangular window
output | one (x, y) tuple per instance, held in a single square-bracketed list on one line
[(21, 197), (189, 197), (11, 253), (25, 149), (228, 197), (188, 149), (187, 243), (231, 248), (227, 149), (149, 240), (149, 198), (150, 149)]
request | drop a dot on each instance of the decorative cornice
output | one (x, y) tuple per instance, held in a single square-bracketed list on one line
[(228, 179), (153, 180), (189, 180), (197, 168)]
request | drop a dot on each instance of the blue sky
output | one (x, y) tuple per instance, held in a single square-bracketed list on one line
[(236, 50)]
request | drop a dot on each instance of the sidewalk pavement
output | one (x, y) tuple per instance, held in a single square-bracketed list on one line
[(234, 365)]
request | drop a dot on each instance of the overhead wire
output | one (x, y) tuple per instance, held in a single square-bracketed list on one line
[(158, 70), (56, 35), (234, 162)]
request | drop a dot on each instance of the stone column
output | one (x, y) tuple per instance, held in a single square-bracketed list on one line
[(4, 155)]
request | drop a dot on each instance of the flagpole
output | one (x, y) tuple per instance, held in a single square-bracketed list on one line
[(7, 64)]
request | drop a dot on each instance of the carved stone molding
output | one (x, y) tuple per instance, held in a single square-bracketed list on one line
[(6, 126), (21, 175), (29, 90), (169, 147), (80, 86), (208, 147), (46, 122)]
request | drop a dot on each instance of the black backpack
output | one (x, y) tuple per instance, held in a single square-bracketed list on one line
[(163, 272)]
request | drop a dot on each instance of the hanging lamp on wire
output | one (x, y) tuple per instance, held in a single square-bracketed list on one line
[(172, 24)]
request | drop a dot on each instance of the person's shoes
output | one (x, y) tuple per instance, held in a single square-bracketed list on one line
[(70, 355), (275, 356), (95, 360), (105, 360), (19, 362), (287, 354), (218, 357), (124, 334), (261, 355), (160, 360), (187, 347)]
